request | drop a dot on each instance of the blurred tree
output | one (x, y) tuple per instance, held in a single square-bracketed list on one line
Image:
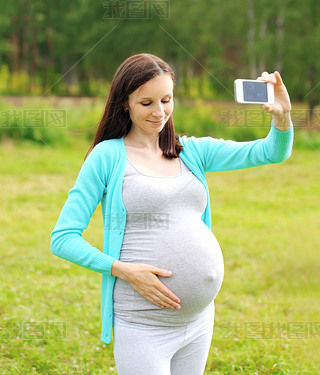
[(61, 47), (301, 52)]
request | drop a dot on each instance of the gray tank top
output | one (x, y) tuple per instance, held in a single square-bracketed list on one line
[(164, 229)]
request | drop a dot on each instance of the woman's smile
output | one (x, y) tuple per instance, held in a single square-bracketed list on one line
[(156, 122)]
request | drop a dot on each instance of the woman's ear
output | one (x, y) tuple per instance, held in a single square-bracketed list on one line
[(125, 106)]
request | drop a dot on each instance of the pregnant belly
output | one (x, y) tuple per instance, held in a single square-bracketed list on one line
[(197, 270), (192, 254)]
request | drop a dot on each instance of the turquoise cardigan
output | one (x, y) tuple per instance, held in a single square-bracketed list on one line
[(100, 180)]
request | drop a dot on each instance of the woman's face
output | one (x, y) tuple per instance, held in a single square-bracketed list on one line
[(151, 105)]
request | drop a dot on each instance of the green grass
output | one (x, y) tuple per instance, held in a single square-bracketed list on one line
[(266, 220)]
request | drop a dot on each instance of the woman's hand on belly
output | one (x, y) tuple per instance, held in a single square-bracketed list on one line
[(144, 280)]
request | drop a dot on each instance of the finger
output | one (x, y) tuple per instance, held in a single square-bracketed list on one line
[(267, 107), (278, 78), (266, 77), (263, 77), (167, 292), (272, 78), (154, 285), (167, 302), (160, 303), (163, 288), (156, 297), (161, 272), (156, 301)]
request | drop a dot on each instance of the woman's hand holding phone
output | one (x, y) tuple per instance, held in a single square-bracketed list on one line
[(270, 91), (280, 109)]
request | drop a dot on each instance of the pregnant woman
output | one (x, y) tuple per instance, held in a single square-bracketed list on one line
[(161, 265)]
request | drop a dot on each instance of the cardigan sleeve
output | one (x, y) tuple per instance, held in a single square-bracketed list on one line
[(224, 155), (82, 201)]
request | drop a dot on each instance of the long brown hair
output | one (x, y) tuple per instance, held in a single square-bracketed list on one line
[(130, 75)]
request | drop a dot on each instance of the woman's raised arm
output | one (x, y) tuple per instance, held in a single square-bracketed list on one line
[(224, 155)]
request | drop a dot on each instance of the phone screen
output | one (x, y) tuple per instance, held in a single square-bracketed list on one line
[(255, 92)]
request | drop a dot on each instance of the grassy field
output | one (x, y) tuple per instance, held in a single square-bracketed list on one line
[(267, 312)]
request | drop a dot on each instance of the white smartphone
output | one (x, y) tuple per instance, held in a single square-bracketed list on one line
[(249, 91)]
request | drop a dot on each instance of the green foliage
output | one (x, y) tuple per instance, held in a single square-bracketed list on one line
[(75, 48)]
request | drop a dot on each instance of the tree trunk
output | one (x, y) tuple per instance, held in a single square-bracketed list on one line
[(26, 47), (263, 34), (279, 39), (34, 57), (251, 40), (15, 50), (312, 97)]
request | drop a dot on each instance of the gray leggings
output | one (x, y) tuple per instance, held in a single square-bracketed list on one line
[(150, 350)]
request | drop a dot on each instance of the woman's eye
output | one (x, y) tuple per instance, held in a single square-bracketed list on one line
[(163, 101)]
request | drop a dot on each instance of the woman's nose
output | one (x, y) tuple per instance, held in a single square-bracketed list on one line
[(158, 111)]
